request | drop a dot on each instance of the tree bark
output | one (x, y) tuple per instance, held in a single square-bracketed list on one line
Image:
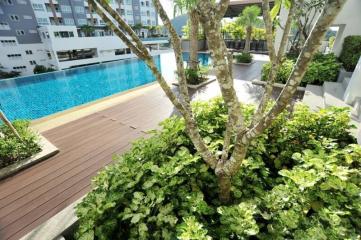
[(224, 184), (52, 6), (9, 124), (193, 38), (247, 46)]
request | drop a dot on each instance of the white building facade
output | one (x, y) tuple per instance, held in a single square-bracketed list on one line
[(52, 33)]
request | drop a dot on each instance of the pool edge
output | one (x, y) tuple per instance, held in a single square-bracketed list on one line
[(60, 118)]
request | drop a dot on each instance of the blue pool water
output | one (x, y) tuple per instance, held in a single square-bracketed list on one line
[(41, 95)]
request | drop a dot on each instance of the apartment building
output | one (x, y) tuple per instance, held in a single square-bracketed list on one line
[(66, 33)]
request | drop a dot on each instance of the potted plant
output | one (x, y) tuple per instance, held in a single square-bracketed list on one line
[(243, 58)]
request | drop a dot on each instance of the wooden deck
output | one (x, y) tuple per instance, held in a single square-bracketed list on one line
[(86, 145)]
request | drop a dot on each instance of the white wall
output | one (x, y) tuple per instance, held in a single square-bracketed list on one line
[(349, 21), (39, 55)]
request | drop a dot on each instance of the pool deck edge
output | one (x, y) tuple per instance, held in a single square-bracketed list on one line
[(66, 116)]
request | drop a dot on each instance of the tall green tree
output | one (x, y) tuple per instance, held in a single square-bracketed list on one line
[(238, 134), (189, 7), (88, 30), (249, 19)]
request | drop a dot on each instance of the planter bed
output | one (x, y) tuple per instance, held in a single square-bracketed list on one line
[(277, 85), (243, 64), (47, 151), (191, 86)]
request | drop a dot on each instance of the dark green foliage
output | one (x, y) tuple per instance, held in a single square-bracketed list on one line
[(198, 76), (42, 69), (298, 181), (243, 57), (11, 148), (351, 52), (324, 67), (11, 74)]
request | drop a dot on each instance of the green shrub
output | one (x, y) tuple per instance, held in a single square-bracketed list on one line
[(324, 67), (243, 57), (198, 76), (11, 148), (351, 52), (162, 189), (10, 74), (42, 69)]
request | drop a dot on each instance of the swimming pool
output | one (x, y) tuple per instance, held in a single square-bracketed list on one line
[(41, 95)]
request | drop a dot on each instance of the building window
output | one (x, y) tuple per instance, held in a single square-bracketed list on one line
[(1, 11), (82, 22), (101, 22), (42, 21), (27, 17), (128, 2), (69, 21), (9, 2), (38, 7), (142, 3), (129, 12), (28, 52), (148, 13), (23, 2), (63, 34), (32, 62), (65, 8), (8, 42), (79, 9), (14, 18), (130, 21), (20, 32), (4, 26), (19, 67), (14, 56), (147, 3), (33, 31)]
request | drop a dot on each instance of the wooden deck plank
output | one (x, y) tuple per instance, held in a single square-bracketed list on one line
[(31, 194)]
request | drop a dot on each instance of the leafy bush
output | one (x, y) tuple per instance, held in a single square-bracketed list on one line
[(198, 76), (10, 74), (11, 148), (243, 57), (162, 189), (42, 69), (351, 52), (324, 67)]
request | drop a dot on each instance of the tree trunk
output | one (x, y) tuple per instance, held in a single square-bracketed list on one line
[(52, 6), (91, 14), (193, 38), (224, 183), (8, 123), (247, 46)]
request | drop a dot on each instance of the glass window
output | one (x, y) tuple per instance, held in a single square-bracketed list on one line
[(82, 21), (38, 7), (20, 32), (14, 18), (129, 12), (65, 8), (43, 21), (79, 9), (69, 21), (4, 26)]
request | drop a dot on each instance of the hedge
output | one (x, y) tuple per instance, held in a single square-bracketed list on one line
[(324, 67), (351, 52), (300, 180)]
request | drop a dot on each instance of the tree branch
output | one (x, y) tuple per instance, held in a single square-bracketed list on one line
[(176, 42), (312, 44), (222, 8), (329, 13), (275, 58), (191, 125)]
